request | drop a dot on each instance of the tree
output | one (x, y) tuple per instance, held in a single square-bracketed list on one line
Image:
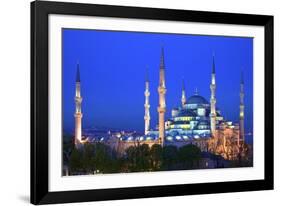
[(143, 157), (156, 155), (189, 154), (75, 163), (138, 158), (102, 158), (131, 154), (170, 157), (67, 148), (87, 160)]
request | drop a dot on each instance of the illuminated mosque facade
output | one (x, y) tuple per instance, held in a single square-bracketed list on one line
[(196, 121)]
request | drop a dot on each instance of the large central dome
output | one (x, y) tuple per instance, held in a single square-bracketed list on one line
[(197, 99)]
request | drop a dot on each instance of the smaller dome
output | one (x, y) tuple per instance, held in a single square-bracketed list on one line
[(197, 99)]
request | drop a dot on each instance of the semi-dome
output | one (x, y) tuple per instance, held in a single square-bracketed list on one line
[(197, 99)]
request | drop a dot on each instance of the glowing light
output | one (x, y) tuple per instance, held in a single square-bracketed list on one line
[(183, 118), (169, 138), (148, 138), (178, 137), (185, 137), (185, 126)]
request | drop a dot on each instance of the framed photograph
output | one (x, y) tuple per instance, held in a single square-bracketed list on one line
[(133, 102)]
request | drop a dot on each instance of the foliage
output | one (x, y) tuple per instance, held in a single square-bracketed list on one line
[(75, 163), (156, 156), (170, 157), (67, 148), (138, 158), (189, 155), (94, 158)]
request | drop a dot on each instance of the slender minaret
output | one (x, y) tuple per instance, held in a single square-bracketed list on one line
[(162, 104), (78, 114), (183, 97), (213, 99), (146, 106), (241, 115)]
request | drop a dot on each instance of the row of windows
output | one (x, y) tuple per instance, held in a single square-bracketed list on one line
[(179, 126), (183, 118)]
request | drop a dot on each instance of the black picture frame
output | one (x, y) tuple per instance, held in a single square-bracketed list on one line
[(39, 102)]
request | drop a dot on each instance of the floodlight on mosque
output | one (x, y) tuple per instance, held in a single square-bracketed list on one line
[(178, 137), (169, 138), (196, 136), (185, 137)]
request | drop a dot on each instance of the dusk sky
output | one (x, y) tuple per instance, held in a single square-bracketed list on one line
[(113, 67)]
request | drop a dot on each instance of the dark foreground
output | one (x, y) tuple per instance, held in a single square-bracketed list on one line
[(100, 158)]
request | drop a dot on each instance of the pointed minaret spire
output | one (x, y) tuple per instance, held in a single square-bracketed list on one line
[(162, 69), (213, 113), (162, 61), (162, 104), (241, 114), (146, 74), (214, 70), (183, 97), (242, 78), (78, 73), (214, 66), (78, 112), (146, 105)]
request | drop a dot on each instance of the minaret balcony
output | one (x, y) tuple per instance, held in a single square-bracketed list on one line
[(147, 106), (79, 115), (161, 90), (146, 117), (78, 99), (212, 86), (147, 93), (161, 109), (212, 114)]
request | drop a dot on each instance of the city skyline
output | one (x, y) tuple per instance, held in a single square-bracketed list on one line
[(111, 64)]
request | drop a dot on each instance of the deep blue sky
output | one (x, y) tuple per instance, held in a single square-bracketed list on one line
[(113, 66)]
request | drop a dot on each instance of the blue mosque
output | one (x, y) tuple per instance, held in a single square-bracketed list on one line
[(196, 121)]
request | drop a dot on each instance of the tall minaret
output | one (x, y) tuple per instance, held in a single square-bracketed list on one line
[(213, 99), (146, 106), (241, 115), (183, 97), (78, 114), (162, 104)]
